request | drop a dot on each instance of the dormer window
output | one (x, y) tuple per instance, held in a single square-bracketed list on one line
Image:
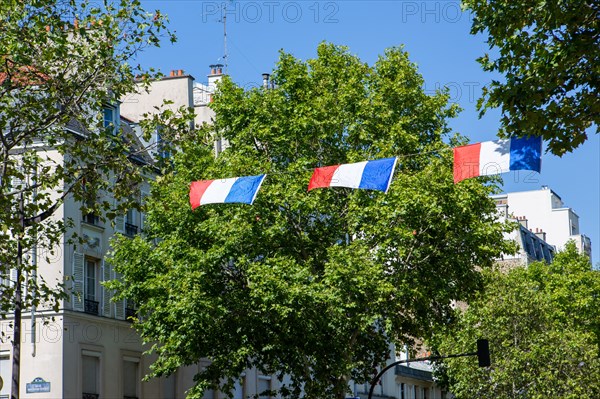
[(110, 118)]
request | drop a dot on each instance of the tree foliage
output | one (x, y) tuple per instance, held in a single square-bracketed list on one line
[(543, 324), (549, 55), (62, 62), (309, 285)]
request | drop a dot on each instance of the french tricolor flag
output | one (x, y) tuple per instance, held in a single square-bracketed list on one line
[(237, 189), (370, 175), (494, 157)]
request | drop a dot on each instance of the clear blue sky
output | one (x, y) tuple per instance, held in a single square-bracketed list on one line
[(435, 34)]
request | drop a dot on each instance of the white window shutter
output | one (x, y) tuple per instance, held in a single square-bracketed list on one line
[(119, 305), (13, 277), (119, 219), (120, 309), (78, 281), (106, 293), (143, 195), (120, 223)]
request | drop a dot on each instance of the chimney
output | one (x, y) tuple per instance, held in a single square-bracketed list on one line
[(172, 73), (540, 234), (216, 73), (180, 72), (522, 220), (265, 77)]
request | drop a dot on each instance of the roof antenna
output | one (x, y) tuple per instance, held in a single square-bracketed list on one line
[(224, 20)]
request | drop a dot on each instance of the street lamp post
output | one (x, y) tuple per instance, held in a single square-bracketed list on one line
[(16, 343), (483, 355)]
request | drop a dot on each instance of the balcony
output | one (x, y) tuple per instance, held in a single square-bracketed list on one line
[(415, 373), (130, 312), (90, 306), (130, 229)]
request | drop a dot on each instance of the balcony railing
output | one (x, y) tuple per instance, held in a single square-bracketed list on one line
[(131, 229), (90, 306), (129, 312), (90, 395)]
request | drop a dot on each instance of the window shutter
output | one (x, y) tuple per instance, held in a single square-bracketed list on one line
[(143, 195), (120, 223), (78, 279), (119, 305), (119, 220), (13, 277), (106, 293), (120, 309)]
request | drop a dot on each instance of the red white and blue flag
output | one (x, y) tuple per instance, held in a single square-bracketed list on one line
[(370, 175), (494, 157), (237, 189)]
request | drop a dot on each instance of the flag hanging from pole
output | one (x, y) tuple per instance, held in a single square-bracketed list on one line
[(369, 175), (223, 191), (500, 156)]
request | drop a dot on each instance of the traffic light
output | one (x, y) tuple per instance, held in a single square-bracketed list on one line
[(483, 353)]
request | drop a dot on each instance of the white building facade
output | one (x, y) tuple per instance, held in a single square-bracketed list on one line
[(88, 348), (544, 213)]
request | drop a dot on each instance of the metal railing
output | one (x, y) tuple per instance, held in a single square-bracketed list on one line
[(90, 306), (130, 312), (131, 229)]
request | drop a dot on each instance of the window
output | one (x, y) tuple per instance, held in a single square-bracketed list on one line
[(402, 391), (5, 374), (109, 118), (91, 296), (264, 385), (88, 216), (162, 146), (131, 377), (90, 369), (130, 309), (91, 218), (131, 227)]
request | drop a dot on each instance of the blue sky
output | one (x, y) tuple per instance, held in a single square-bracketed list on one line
[(435, 34)]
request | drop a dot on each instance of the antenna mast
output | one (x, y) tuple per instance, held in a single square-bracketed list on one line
[(225, 58)]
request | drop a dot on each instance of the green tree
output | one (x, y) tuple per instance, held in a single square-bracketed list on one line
[(64, 64), (543, 324), (312, 285), (549, 55)]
